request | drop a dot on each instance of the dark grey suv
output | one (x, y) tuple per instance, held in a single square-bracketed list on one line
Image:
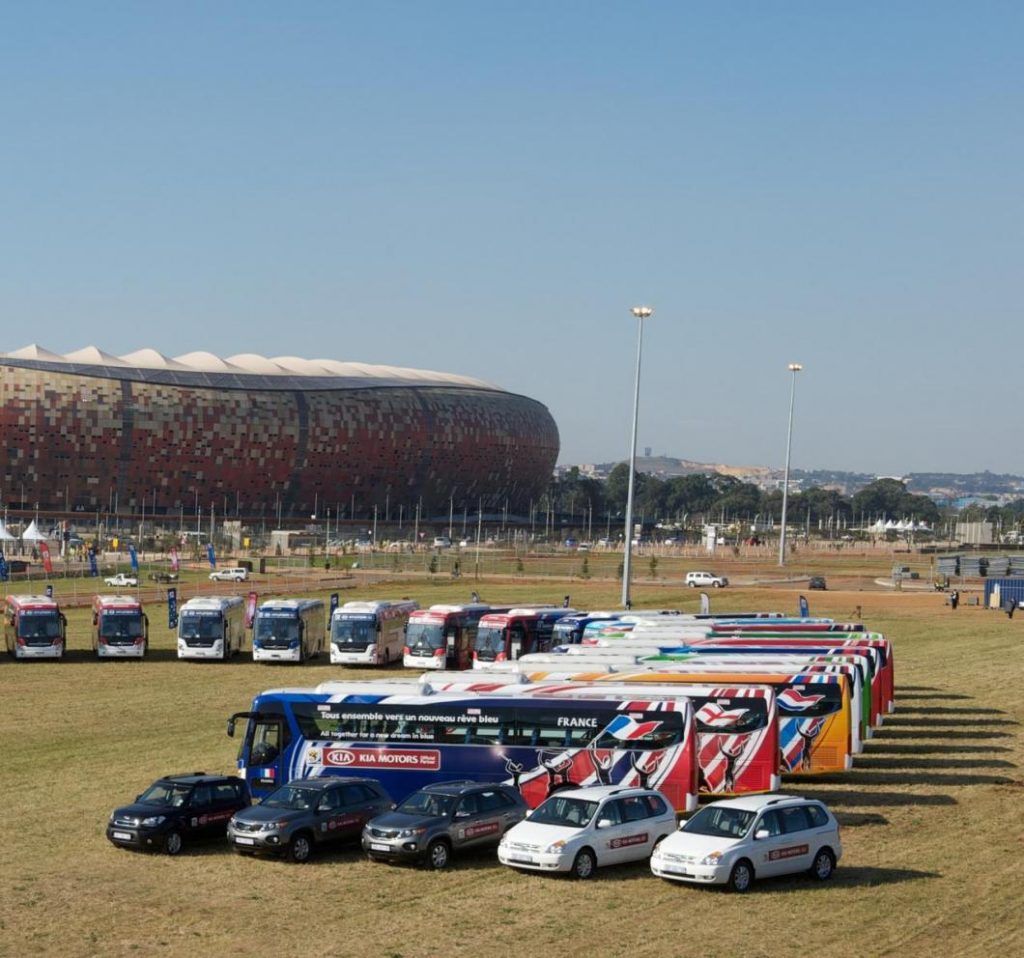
[(438, 820), (308, 813)]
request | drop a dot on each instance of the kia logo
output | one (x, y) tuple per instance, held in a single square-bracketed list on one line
[(339, 756)]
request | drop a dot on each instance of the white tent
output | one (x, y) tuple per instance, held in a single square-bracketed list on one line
[(32, 533), (5, 536)]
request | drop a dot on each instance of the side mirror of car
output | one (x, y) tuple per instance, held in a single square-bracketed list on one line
[(761, 834), (461, 814), (604, 823)]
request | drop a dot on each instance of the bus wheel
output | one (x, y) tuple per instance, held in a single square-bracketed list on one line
[(584, 864), (173, 842), (300, 848), (438, 854), (824, 865), (741, 877)]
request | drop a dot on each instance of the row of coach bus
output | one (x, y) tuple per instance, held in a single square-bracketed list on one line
[(685, 705)]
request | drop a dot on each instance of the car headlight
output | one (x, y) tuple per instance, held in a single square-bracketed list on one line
[(153, 821), (555, 847), (411, 832), (713, 859)]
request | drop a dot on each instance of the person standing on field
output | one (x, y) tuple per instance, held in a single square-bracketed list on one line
[(954, 599)]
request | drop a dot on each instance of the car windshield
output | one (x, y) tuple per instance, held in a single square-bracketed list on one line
[(424, 636), (563, 810), (427, 803), (720, 822), (166, 793), (291, 796)]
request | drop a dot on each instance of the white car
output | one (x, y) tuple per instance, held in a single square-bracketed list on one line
[(758, 836), (122, 579), (706, 580), (229, 575), (578, 830)]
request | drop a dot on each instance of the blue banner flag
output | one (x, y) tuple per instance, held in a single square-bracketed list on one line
[(133, 558), (334, 602), (804, 608), (172, 608), (4, 574), (94, 569), (211, 556)]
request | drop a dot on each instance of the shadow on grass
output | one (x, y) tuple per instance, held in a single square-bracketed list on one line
[(876, 747), (965, 711), (881, 762), (858, 819), (855, 798), (905, 695), (944, 733), (898, 721), (910, 778), (866, 877)]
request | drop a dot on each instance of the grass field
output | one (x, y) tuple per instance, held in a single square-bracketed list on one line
[(931, 814)]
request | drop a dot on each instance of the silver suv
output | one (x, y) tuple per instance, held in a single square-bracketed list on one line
[(440, 819), (706, 579), (758, 836), (301, 815)]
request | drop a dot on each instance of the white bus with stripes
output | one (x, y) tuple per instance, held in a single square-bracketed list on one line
[(370, 633), (211, 627)]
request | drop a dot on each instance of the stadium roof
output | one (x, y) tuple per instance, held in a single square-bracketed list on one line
[(243, 371)]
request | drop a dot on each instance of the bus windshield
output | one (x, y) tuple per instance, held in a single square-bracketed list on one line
[(121, 625), (720, 822), (277, 627), (39, 625), (490, 639), (201, 625), (561, 810), (353, 633), (424, 635)]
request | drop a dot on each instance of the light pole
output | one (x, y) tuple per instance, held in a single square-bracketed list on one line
[(641, 313), (794, 368)]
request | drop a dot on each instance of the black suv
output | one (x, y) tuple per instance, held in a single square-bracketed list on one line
[(178, 809), (817, 582), (440, 819), (308, 812)]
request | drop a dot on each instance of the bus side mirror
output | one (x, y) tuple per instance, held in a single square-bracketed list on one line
[(231, 728)]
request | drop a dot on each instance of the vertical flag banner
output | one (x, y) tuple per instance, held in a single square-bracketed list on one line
[(250, 610), (804, 608), (4, 574), (211, 556), (172, 608), (705, 603), (175, 563), (334, 602), (133, 558), (44, 551), (565, 602), (94, 569)]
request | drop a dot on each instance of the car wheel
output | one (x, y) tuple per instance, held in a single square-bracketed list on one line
[(584, 864), (300, 848), (716, 585), (824, 865), (173, 843), (741, 877), (438, 854), (692, 585)]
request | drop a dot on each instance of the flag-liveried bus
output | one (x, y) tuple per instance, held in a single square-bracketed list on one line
[(407, 741)]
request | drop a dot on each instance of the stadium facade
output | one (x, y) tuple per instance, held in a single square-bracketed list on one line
[(253, 436)]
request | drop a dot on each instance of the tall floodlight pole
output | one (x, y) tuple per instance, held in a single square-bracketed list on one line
[(641, 313), (794, 368)]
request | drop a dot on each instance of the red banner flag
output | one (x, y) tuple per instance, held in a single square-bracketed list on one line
[(174, 560), (44, 551), (250, 611)]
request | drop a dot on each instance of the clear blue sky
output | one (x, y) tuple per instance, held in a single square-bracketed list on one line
[(486, 188)]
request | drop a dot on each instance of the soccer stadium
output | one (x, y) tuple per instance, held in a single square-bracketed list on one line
[(89, 431)]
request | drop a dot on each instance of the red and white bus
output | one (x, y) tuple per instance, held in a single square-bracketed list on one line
[(120, 629), (34, 627), (441, 637), (504, 636)]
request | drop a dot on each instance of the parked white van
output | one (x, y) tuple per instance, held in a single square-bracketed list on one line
[(211, 627)]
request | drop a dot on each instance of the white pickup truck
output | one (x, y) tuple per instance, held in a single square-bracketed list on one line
[(229, 575), (122, 579)]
